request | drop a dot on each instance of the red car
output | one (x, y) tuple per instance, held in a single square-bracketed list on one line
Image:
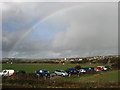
[(98, 69)]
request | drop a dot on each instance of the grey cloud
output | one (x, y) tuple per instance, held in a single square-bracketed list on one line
[(26, 13), (91, 30), (9, 38)]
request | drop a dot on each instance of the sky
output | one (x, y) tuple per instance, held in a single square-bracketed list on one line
[(59, 29)]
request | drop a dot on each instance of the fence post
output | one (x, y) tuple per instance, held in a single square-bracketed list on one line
[(69, 74), (27, 76), (44, 77), (8, 74), (12, 76), (52, 77), (38, 77)]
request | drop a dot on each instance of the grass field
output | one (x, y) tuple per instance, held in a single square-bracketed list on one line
[(32, 68)]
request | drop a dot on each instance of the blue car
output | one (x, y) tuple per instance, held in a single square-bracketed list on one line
[(43, 73), (87, 68), (72, 71)]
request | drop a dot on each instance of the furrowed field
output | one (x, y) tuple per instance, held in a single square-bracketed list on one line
[(102, 79)]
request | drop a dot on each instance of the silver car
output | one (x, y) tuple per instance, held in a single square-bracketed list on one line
[(61, 72), (82, 71)]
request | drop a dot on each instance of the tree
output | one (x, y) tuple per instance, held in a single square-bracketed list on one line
[(84, 60)]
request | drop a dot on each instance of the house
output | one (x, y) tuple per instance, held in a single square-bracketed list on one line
[(80, 59), (90, 58)]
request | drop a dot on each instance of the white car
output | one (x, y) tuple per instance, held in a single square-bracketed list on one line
[(7, 73), (82, 71), (103, 67), (61, 72)]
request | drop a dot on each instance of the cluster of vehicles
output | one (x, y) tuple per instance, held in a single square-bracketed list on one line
[(58, 72)]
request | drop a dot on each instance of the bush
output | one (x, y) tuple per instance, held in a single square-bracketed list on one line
[(115, 66), (91, 72), (78, 67)]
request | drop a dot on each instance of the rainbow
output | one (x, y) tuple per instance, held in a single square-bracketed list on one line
[(41, 21)]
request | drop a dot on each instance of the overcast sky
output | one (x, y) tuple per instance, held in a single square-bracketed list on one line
[(85, 29)]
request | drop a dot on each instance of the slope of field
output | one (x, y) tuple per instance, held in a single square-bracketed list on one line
[(102, 76)]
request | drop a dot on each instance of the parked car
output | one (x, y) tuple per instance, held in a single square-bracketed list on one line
[(98, 68), (87, 68), (20, 72), (104, 68), (61, 72), (91, 68), (82, 71), (43, 73), (7, 73), (72, 71), (108, 67)]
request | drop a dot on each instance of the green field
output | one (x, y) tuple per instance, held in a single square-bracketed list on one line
[(107, 76), (103, 76), (32, 68), (102, 79)]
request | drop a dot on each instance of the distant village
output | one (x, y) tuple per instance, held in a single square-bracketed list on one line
[(94, 59)]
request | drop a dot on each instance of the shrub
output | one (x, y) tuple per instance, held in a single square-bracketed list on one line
[(78, 67), (115, 66)]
